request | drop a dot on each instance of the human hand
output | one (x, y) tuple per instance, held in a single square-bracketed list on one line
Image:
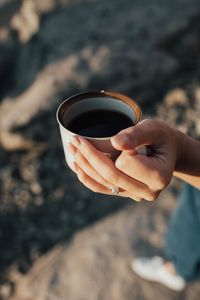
[(137, 176)]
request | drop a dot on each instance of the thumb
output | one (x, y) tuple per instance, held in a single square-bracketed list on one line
[(146, 132)]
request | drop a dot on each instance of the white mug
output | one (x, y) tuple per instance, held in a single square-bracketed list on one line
[(89, 101)]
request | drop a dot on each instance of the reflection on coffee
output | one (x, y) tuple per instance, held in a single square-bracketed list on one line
[(99, 123)]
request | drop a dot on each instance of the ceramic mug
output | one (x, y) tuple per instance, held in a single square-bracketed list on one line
[(88, 101)]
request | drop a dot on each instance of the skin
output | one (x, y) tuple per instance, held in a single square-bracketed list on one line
[(137, 176)]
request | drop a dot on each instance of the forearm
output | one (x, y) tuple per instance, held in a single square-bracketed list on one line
[(188, 162)]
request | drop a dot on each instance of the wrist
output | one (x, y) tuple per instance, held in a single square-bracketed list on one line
[(187, 154)]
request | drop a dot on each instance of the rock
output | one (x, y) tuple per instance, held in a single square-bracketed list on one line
[(176, 96), (6, 290), (45, 6), (180, 109), (26, 22)]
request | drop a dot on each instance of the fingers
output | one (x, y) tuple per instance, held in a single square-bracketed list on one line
[(90, 183), (96, 187), (88, 169), (106, 168), (143, 168), (146, 132), (90, 177)]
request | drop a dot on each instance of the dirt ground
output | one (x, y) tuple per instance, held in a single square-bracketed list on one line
[(49, 223)]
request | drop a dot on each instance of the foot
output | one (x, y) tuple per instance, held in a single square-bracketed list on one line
[(155, 269)]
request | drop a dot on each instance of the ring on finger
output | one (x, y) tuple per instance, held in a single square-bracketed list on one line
[(115, 190)]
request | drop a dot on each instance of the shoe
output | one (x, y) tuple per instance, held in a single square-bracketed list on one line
[(153, 269)]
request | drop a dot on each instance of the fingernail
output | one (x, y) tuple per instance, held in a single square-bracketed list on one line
[(75, 141)]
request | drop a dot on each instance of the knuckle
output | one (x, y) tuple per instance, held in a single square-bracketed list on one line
[(152, 196), (78, 157)]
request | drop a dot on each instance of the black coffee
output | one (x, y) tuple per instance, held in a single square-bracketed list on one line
[(99, 123)]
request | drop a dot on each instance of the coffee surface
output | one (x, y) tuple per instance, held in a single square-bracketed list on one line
[(99, 123)]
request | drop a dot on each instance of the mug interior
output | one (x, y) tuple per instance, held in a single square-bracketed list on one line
[(87, 105), (82, 103)]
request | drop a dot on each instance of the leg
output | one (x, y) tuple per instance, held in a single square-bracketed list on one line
[(182, 246), (183, 236)]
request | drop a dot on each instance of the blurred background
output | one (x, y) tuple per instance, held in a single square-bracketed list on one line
[(58, 240)]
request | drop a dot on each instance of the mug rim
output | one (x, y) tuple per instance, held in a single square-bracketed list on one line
[(94, 94)]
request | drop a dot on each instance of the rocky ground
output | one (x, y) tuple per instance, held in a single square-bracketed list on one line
[(49, 50)]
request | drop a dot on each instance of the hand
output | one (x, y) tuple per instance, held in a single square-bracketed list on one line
[(137, 176)]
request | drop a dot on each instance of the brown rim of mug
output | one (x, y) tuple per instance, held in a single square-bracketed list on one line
[(93, 94)]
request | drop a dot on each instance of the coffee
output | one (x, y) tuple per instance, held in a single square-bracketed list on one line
[(99, 123)]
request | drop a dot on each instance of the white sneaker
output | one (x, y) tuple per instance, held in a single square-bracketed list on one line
[(153, 269)]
